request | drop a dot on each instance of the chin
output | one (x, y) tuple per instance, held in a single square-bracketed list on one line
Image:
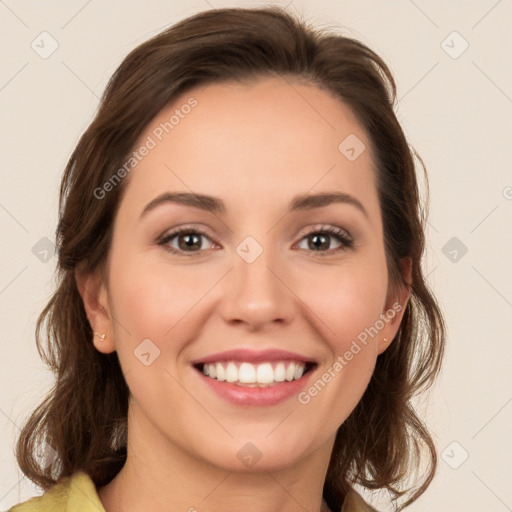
[(259, 454)]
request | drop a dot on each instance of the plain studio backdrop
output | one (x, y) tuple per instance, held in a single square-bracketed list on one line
[(451, 61)]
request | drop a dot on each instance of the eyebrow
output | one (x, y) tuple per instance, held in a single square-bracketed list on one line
[(216, 205)]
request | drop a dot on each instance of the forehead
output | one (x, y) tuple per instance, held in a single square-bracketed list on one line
[(262, 142)]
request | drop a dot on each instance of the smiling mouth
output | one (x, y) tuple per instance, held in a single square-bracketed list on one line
[(264, 374)]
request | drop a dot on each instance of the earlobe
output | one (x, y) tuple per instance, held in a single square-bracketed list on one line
[(384, 344), (392, 318), (95, 300), (406, 270), (400, 293), (396, 305)]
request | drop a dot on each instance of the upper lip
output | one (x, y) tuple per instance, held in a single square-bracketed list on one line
[(252, 356)]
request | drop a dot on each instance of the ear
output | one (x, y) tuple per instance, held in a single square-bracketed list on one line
[(94, 293), (394, 309)]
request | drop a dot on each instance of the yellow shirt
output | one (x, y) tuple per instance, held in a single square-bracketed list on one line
[(71, 494), (78, 494)]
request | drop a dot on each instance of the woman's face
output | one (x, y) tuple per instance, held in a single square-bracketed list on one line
[(258, 268)]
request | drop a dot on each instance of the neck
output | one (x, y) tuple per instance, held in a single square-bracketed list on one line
[(149, 481)]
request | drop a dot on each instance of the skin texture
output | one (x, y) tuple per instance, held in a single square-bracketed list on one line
[(255, 146)]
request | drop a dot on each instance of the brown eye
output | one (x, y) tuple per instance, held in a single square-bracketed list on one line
[(184, 240), (320, 241), (189, 240)]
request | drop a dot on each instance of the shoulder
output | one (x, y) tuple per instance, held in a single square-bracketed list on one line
[(355, 503), (76, 493)]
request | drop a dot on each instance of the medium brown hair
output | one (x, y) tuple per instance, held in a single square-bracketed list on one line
[(83, 418)]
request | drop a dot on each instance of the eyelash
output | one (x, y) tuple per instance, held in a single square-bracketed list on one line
[(340, 234)]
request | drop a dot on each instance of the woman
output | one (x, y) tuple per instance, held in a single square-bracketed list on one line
[(241, 320)]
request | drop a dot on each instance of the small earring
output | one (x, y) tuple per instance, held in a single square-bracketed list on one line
[(101, 336), (385, 340)]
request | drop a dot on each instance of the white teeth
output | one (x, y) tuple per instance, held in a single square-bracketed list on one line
[(290, 372), (280, 372), (231, 372), (221, 373), (265, 373), (299, 370), (248, 374)]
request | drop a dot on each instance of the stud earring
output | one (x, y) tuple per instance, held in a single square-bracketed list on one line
[(101, 336), (385, 340)]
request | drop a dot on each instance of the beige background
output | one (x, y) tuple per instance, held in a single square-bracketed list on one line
[(456, 110)]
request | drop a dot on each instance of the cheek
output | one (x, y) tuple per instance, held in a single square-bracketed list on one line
[(347, 303), (154, 307), (347, 299), (171, 305), (152, 298), (157, 301)]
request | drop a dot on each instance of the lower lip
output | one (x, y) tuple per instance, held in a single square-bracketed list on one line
[(270, 395)]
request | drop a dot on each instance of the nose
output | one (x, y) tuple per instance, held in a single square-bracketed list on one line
[(257, 294)]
